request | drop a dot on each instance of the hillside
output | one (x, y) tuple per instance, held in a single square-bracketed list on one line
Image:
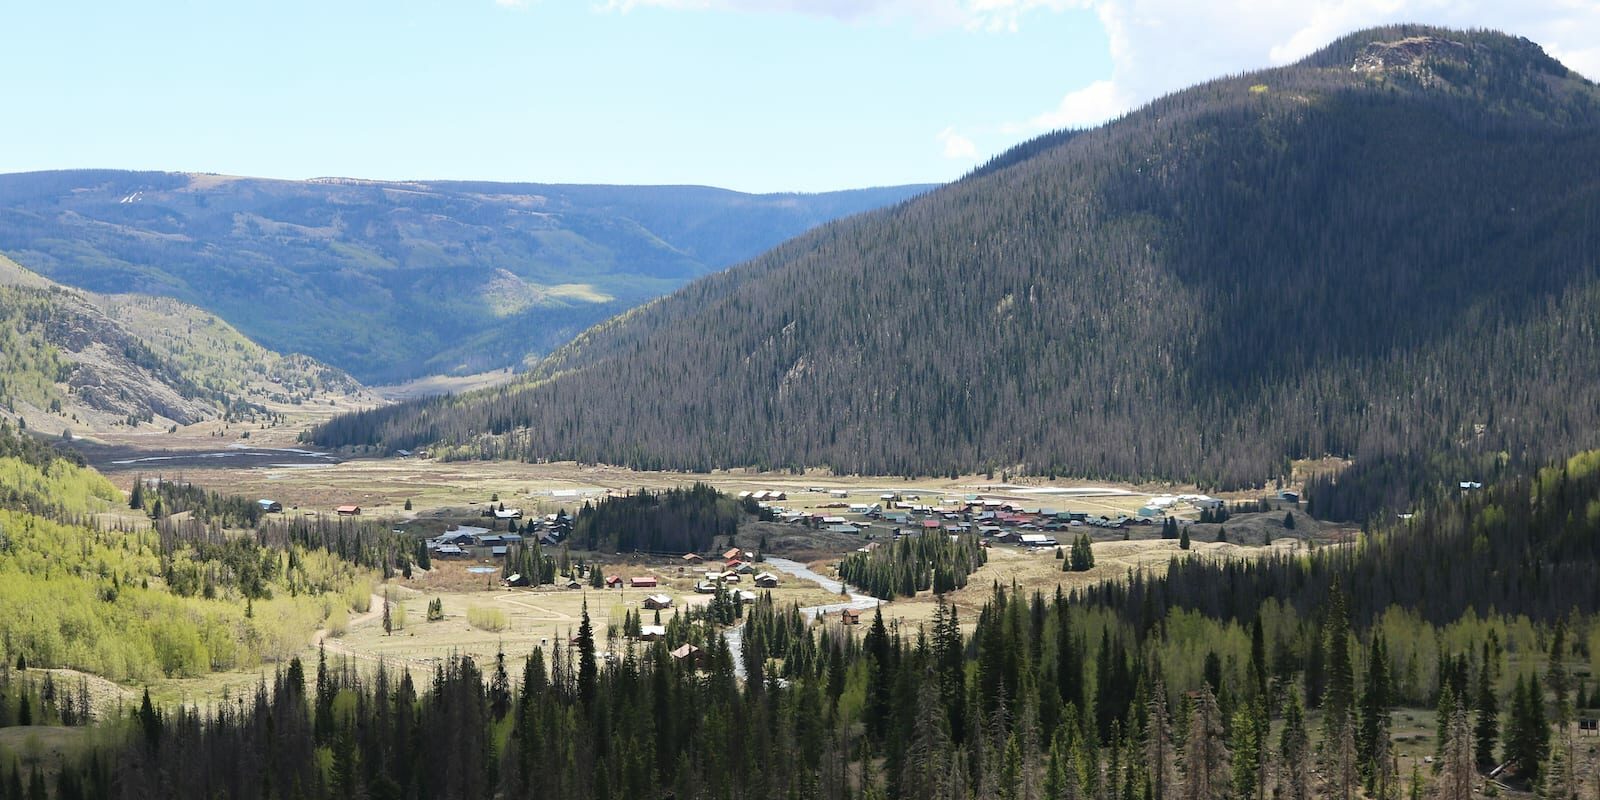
[(395, 280), (1386, 250), (76, 360)]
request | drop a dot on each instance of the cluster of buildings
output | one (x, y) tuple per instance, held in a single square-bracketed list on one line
[(996, 519), (465, 541)]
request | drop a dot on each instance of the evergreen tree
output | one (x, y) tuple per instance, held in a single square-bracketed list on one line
[(1487, 729), (588, 670), (1456, 772), (1207, 772)]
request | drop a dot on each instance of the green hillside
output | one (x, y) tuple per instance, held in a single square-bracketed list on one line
[(74, 359), (395, 280), (1387, 249)]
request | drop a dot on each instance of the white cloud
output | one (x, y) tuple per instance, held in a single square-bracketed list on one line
[(956, 146), (1161, 46), (1093, 104), (512, 3)]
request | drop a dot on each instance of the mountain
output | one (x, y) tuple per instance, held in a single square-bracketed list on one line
[(395, 280), (73, 359), (1387, 249)]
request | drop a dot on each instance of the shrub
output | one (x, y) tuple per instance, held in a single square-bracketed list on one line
[(489, 619)]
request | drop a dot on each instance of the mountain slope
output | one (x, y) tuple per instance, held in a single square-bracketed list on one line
[(74, 359), (391, 280), (1389, 247)]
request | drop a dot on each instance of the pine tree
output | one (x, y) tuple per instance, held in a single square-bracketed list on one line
[(588, 670), (1487, 729), (1456, 773), (1159, 755), (1375, 702), (1294, 751), (1207, 772), (1183, 538)]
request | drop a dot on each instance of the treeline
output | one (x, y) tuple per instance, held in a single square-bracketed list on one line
[(671, 521), (1418, 276), (1043, 699), (1528, 546), (911, 564)]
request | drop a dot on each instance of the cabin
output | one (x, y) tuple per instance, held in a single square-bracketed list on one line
[(515, 579), (613, 581), (688, 655), (269, 506), (498, 551), (732, 555), (747, 597), (651, 633), (643, 582), (850, 616), (838, 493), (705, 587), (573, 583), (692, 558), (1037, 540), (508, 513), (348, 511), (448, 551), (1289, 496), (767, 580), (733, 565), (657, 602)]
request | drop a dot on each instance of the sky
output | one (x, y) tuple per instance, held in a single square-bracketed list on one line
[(755, 95)]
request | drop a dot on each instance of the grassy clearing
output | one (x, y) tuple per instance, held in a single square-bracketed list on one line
[(487, 619)]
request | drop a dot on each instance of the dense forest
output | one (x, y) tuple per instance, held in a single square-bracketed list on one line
[(1111, 694), (910, 564), (1386, 249), (669, 522)]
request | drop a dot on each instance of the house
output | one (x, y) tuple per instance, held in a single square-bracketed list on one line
[(733, 565), (269, 506), (613, 581), (688, 655), (850, 616), (348, 511), (498, 551), (511, 538), (692, 558), (732, 555), (490, 540), (573, 583), (747, 597), (745, 568), (706, 587), (651, 633), (508, 513), (643, 582), (452, 537), (931, 524), (843, 528), (448, 551), (1037, 540), (767, 580), (1467, 486), (656, 602), (838, 493), (730, 577)]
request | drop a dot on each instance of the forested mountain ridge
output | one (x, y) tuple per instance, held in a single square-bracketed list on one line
[(395, 279), (1389, 247), (72, 359)]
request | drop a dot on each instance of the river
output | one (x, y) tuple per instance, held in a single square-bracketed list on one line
[(860, 602)]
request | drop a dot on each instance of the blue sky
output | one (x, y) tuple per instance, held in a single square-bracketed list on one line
[(759, 95)]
